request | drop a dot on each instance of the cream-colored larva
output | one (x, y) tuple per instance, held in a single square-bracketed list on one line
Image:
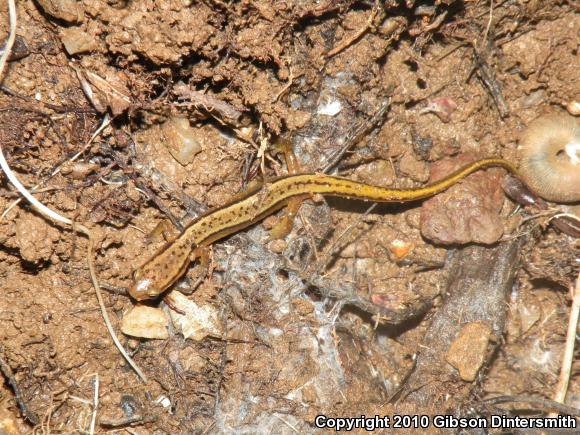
[(550, 157)]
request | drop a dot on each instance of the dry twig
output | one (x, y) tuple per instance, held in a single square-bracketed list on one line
[(11, 379), (95, 404), (359, 33), (564, 378)]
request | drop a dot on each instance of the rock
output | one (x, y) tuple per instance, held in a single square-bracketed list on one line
[(77, 41), (467, 352), (180, 139), (467, 212), (145, 322), (35, 238), (70, 11)]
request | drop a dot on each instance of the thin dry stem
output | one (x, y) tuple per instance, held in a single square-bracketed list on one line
[(95, 405), (562, 386), (353, 38)]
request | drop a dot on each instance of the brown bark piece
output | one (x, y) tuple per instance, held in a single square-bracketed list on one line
[(479, 281)]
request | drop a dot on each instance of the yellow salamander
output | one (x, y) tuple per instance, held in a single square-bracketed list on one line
[(171, 262)]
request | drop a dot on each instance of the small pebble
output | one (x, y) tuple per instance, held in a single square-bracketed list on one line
[(467, 352), (573, 108), (77, 41), (180, 139), (145, 322), (70, 11)]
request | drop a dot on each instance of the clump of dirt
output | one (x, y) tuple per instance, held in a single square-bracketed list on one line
[(127, 114)]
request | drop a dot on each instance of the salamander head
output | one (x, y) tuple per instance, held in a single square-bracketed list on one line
[(160, 272), (143, 287)]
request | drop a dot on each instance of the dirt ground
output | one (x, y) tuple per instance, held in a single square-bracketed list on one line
[(337, 317)]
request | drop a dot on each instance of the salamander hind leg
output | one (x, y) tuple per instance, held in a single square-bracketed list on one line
[(283, 227)]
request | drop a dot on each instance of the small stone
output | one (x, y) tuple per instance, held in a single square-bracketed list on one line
[(77, 41), (467, 352), (399, 248), (181, 139), (70, 11), (145, 322), (35, 238), (573, 108), (467, 212), (278, 246)]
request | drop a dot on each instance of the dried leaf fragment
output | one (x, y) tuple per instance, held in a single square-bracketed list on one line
[(108, 93), (198, 322)]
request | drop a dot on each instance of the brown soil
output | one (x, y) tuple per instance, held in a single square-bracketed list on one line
[(244, 74)]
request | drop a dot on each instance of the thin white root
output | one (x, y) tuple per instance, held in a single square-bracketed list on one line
[(95, 405), (11, 38), (84, 230), (564, 378), (52, 214), (106, 121), (99, 294)]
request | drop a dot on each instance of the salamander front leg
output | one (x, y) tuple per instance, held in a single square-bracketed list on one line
[(163, 229), (204, 253), (285, 223)]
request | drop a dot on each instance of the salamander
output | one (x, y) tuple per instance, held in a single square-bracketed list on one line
[(171, 262)]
